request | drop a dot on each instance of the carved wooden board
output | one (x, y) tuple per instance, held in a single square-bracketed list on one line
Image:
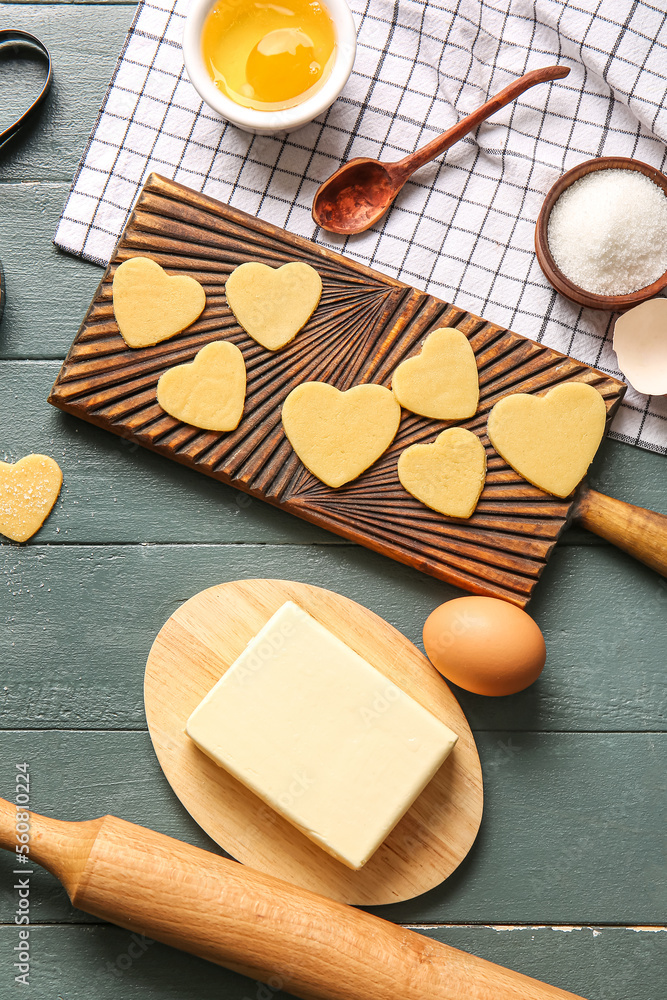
[(191, 653), (365, 325)]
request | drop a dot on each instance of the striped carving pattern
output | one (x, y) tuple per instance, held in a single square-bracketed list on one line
[(365, 325)]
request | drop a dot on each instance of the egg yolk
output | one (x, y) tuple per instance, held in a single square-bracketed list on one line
[(268, 56)]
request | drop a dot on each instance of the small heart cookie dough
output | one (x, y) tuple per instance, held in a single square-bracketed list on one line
[(441, 382), (28, 491), (210, 391), (338, 435), (150, 305), (448, 475), (272, 305), (549, 440)]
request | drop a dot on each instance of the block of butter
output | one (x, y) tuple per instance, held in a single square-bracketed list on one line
[(320, 735)]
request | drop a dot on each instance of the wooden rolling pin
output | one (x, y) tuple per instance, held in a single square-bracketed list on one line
[(255, 924)]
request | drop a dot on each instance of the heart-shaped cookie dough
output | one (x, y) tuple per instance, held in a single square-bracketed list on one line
[(448, 475), (441, 382), (150, 305), (210, 391), (28, 491), (337, 435), (549, 440), (272, 305)]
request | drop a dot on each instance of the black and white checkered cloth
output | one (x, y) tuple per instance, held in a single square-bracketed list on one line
[(463, 228)]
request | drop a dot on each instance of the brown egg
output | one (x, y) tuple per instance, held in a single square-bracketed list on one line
[(484, 645)]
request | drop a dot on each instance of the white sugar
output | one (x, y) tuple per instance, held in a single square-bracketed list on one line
[(608, 232)]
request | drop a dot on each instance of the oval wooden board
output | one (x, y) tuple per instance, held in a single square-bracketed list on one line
[(192, 651)]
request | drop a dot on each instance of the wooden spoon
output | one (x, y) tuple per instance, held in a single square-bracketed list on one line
[(361, 191)]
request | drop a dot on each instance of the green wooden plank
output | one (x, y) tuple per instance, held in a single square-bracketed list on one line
[(609, 963), (84, 42), (48, 292), (115, 491), (591, 640), (81, 620), (573, 830)]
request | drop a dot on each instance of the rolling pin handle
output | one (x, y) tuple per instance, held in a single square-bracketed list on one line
[(642, 533), (60, 847)]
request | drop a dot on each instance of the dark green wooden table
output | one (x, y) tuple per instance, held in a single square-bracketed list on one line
[(566, 880)]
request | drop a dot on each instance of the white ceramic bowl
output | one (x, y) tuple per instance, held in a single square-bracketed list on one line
[(268, 122)]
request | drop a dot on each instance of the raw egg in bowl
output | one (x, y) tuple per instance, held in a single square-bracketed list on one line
[(269, 67)]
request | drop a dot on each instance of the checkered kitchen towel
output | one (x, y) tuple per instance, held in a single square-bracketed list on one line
[(463, 228)]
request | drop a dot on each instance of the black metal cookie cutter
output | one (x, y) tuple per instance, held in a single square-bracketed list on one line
[(22, 40)]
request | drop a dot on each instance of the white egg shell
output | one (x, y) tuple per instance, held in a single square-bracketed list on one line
[(640, 342)]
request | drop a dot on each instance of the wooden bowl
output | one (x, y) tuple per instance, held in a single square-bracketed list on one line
[(613, 303)]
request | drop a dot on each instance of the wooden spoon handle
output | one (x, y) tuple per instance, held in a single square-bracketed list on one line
[(401, 170), (642, 533), (258, 925)]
